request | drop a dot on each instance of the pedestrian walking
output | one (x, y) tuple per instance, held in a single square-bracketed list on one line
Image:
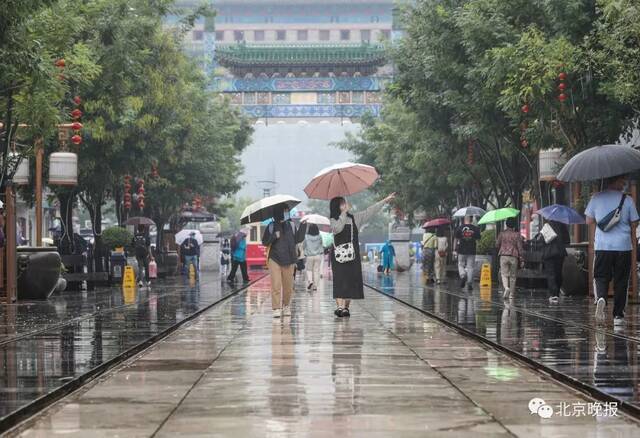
[(429, 247), (616, 217), (281, 239), (225, 258), (554, 238), (510, 253), (190, 249), (442, 250), (388, 253), (345, 257), (142, 251), (238, 247), (467, 235), (314, 250)]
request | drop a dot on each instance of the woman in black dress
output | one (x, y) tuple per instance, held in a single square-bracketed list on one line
[(347, 276)]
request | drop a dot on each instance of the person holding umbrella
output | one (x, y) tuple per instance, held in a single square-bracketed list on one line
[(615, 215), (281, 238), (314, 251), (429, 246), (190, 249), (142, 249), (345, 257), (555, 238), (467, 235), (442, 249), (510, 252)]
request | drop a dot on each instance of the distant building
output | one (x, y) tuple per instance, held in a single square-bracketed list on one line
[(305, 70)]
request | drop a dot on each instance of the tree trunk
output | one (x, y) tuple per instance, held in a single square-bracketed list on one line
[(66, 200)]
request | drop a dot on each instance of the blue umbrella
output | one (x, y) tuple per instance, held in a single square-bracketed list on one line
[(562, 214)]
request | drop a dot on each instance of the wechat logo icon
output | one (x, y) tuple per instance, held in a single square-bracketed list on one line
[(540, 407)]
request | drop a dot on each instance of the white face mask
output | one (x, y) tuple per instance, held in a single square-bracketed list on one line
[(287, 215)]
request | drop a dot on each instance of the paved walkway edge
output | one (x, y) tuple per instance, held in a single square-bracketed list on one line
[(27, 411), (629, 409)]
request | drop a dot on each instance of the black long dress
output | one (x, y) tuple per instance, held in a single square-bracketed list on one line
[(347, 277)]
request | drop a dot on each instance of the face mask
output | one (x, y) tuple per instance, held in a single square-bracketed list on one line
[(287, 215)]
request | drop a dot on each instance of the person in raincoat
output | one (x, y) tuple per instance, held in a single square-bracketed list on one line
[(388, 253), (347, 273)]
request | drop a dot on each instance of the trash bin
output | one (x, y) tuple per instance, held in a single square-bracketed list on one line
[(117, 261)]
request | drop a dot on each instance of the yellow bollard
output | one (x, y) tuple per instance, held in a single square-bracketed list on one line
[(129, 277), (485, 275)]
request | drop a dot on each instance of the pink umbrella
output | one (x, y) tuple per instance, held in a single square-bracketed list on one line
[(436, 222), (341, 180)]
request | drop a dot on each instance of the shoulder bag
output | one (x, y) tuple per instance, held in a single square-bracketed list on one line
[(345, 252), (612, 219)]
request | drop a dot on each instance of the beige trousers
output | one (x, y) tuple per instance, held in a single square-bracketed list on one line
[(440, 267), (509, 272), (281, 284), (313, 264)]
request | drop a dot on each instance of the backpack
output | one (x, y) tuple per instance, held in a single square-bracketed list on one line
[(140, 245)]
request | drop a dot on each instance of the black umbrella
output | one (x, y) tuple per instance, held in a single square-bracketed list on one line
[(601, 162), (139, 220)]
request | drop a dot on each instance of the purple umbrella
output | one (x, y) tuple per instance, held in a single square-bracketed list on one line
[(562, 214)]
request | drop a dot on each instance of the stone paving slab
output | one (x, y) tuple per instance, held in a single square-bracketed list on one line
[(564, 338), (388, 371)]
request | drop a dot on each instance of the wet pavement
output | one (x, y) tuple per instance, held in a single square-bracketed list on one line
[(44, 345), (563, 337), (388, 371)]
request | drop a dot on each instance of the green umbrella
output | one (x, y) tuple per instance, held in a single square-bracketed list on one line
[(498, 215), (327, 239)]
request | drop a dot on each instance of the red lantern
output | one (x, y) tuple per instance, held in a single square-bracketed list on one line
[(525, 108), (140, 196), (562, 86), (76, 139), (60, 63), (76, 126), (127, 197), (141, 190), (127, 205), (562, 97), (562, 76), (140, 182), (77, 100), (524, 143), (76, 113), (127, 186), (141, 205), (127, 178)]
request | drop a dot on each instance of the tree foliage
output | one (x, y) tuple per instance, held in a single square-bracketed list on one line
[(475, 96)]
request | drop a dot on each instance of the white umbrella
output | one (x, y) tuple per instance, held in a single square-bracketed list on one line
[(342, 179), (183, 235), (469, 211), (316, 219), (264, 209)]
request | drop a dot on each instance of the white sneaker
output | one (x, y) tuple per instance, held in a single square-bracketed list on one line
[(286, 311), (276, 313), (619, 321), (148, 283), (140, 283), (600, 310), (506, 294), (553, 300)]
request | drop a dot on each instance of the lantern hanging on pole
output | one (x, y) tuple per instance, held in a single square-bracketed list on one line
[(76, 114), (63, 169), (77, 100), (76, 139)]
